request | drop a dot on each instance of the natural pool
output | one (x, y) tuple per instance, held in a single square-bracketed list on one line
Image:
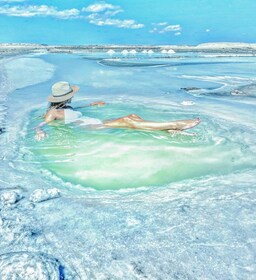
[(134, 204), (115, 159)]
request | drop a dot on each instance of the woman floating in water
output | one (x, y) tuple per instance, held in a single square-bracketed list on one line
[(61, 96)]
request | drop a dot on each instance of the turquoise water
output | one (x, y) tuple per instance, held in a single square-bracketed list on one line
[(123, 158), (136, 204)]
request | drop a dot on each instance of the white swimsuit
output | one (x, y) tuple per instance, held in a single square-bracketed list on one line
[(73, 116)]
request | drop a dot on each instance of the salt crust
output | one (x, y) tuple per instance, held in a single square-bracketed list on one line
[(187, 103), (28, 266), (40, 195)]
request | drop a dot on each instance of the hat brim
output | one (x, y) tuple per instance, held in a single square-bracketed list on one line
[(65, 97)]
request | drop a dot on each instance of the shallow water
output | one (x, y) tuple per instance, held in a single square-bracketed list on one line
[(134, 204), (122, 158)]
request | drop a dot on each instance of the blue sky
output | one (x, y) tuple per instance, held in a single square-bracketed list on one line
[(127, 21)]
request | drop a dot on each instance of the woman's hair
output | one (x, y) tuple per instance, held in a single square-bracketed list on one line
[(59, 105)]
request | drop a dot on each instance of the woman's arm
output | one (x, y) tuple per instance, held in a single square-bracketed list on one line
[(40, 133), (97, 103)]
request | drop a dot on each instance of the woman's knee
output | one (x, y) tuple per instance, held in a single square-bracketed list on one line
[(127, 119), (134, 116)]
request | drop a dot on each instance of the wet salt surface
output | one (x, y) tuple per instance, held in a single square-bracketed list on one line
[(200, 228)]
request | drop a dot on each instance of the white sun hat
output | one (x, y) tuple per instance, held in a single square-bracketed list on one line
[(62, 91)]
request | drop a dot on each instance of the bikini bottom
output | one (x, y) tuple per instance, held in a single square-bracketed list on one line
[(89, 121)]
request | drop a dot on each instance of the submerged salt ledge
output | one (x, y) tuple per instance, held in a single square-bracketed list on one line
[(24, 71)]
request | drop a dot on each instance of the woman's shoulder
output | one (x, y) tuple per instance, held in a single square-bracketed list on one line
[(55, 113), (54, 110)]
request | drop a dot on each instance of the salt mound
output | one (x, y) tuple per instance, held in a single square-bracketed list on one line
[(125, 52), (10, 197), (111, 52), (29, 265), (40, 195)]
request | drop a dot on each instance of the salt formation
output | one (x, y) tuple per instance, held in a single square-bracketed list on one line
[(164, 51), (236, 92), (150, 51), (111, 52), (187, 103), (29, 265), (144, 51), (10, 197), (40, 195), (248, 90), (125, 52), (171, 51), (133, 51)]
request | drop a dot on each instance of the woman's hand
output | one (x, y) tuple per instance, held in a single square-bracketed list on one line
[(40, 135), (98, 103)]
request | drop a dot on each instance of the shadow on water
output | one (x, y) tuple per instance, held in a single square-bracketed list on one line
[(248, 90), (122, 63)]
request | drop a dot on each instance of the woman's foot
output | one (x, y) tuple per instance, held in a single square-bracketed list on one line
[(187, 124)]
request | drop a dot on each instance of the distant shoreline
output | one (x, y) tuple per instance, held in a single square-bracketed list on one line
[(22, 48)]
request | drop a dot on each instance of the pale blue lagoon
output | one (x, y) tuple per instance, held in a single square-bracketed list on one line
[(134, 204)]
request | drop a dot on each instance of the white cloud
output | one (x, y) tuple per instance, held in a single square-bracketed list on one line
[(127, 23), (11, 1), (100, 7), (160, 23), (42, 10), (171, 28), (162, 27), (154, 30), (102, 14), (113, 13), (207, 30), (177, 33)]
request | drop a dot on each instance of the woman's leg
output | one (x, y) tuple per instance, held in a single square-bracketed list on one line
[(135, 117), (126, 121), (135, 122)]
